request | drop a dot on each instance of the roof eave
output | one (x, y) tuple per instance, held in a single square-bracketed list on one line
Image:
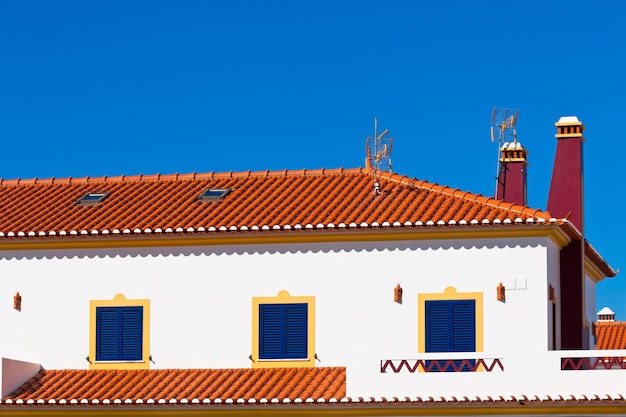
[(554, 231), (598, 264), (380, 407)]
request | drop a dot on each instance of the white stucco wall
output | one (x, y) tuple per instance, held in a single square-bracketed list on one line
[(201, 296)]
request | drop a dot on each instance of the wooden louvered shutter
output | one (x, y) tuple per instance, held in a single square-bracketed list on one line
[(283, 331), (132, 333), (296, 331), (119, 333), (450, 326), (463, 317), (438, 326), (107, 333), (270, 331)]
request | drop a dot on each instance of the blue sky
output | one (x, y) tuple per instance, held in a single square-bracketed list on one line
[(127, 87)]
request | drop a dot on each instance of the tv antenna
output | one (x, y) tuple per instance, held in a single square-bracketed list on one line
[(378, 151), (504, 121)]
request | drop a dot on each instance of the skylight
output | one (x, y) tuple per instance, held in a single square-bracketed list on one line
[(91, 199), (214, 194)]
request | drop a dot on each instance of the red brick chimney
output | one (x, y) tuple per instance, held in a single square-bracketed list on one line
[(512, 175), (566, 189), (565, 200)]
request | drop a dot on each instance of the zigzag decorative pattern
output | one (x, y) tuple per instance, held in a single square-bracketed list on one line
[(589, 364), (440, 365)]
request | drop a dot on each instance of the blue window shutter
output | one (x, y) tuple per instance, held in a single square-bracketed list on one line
[(296, 331), (283, 330), (438, 327), (132, 333), (119, 333), (463, 317), (107, 333), (271, 329), (450, 326)]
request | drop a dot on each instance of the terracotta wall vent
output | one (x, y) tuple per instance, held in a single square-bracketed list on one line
[(17, 301), (397, 294), (501, 293)]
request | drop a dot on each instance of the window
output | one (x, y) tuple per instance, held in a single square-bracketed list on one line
[(450, 322), (91, 199), (214, 194), (119, 334), (283, 331), (451, 326)]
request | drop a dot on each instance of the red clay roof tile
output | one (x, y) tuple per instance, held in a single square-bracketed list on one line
[(179, 384), (153, 203), (611, 335), (295, 389)]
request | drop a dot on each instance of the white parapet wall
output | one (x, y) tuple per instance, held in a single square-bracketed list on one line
[(554, 373), (15, 373)]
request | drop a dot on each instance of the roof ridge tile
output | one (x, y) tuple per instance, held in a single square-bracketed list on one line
[(177, 176), (446, 190)]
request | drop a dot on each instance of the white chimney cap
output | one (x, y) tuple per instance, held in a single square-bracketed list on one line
[(605, 310), (568, 119)]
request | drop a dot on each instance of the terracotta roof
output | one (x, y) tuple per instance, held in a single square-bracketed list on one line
[(265, 201), (183, 384), (611, 335), (290, 389)]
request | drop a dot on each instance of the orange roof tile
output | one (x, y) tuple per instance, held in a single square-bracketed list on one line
[(297, 390), (611, 335), (184, 384), (31, 209)]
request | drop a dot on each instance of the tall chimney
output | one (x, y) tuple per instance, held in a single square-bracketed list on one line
[(566, 200), (566, 189), (512, 175)]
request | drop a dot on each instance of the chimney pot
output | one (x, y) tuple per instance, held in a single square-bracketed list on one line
[(606, 314), (512, 176)]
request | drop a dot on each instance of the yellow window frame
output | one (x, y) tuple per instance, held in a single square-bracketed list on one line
[(450, 293), (120, 301), (284, 297)]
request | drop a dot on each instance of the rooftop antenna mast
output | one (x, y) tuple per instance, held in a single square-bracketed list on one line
[(503, 120), (378, 150)]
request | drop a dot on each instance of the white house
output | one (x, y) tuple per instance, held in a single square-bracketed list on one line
[(302, 292)]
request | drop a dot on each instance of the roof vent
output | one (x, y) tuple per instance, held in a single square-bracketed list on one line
[(214, 194), (91, 199)]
